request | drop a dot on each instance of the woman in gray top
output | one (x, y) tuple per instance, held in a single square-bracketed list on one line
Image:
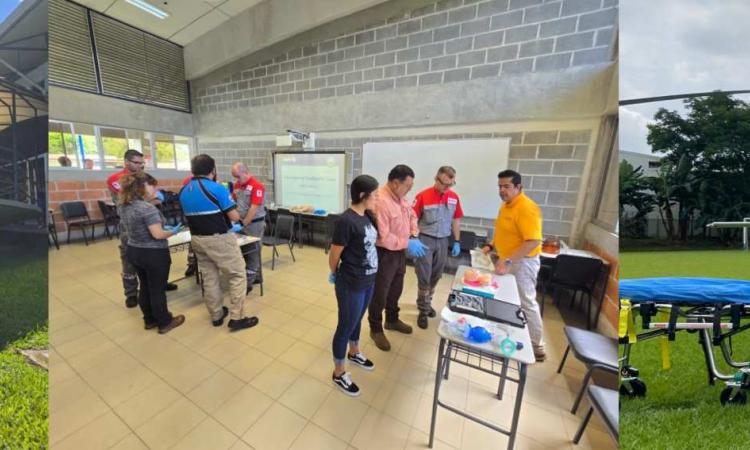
[(147, 249)]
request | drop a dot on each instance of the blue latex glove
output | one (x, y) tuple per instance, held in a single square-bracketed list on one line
[(416, 248), (160, 196), (332, 278), (236, 227), (456, 250), (173, 228)]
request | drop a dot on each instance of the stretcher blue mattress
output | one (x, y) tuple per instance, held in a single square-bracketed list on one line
[(685, 290)]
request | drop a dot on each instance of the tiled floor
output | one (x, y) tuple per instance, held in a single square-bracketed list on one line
[(115, 385)]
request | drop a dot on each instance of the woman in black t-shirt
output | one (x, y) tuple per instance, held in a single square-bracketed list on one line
[(353, 261)]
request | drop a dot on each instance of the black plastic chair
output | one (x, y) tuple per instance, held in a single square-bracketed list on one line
[(109, 212), (76, 215), (52, 230), (283, 233), (606, 403), (468, 240), (331, 222), (578, 274), (596, 351)]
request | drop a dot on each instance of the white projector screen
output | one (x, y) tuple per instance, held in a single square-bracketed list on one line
[(477, 162), (310, 178)]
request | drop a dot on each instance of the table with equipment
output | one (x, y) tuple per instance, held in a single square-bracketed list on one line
[(494, 357), (181, 242)]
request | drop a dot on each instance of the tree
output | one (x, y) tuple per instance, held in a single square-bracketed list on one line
[(634, 192), (706, 162)]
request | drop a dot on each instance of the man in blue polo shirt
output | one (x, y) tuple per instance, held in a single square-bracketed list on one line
[(210, 212)]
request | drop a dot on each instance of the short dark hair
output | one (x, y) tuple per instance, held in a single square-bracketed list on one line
[(202, 165), (511, 174), (129, 153), (400, 173), (448, 170)]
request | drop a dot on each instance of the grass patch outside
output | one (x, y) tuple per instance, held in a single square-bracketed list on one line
[(681, 410), (734, 264), (23, 389), (23, 325)]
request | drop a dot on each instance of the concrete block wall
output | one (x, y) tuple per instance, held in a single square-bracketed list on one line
[(89, 192), (444, 42), (551, 162)]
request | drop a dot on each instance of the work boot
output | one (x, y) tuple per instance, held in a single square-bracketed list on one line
[(241, 324), (422, 321), (399, 326), (176, 322), (381, 341), (131, 302)]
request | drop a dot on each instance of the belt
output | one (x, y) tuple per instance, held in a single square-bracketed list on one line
[(206, 234), (258, 219), (433, 237)]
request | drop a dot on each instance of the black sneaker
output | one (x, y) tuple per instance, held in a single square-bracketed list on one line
[(422, 321), (171, 287), (360, 360), (131, 302), (220, 322), (345, 383), (432, 313), (241, 324)]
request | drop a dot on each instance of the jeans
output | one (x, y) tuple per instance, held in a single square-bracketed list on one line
[(353, 302), (152, 266)]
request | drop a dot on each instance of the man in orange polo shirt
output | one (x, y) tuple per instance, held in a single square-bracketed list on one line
[(517, 242), (439, 212)]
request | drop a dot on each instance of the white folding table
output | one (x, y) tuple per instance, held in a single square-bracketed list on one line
[(486, 357)]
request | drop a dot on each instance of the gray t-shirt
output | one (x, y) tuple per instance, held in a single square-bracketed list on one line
[(136, 217)]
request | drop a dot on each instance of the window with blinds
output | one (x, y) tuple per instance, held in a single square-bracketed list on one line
[(71, 57), (132, 64)]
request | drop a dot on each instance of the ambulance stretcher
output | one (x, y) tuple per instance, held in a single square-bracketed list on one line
[(712, 308)]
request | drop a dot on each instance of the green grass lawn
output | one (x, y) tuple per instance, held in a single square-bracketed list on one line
[(681, 410), (702, 263), (23, 325), (23, 390)]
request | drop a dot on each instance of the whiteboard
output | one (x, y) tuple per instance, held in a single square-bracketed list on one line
[(477, 163)]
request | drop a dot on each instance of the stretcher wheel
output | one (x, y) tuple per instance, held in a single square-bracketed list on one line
[(739, 399), (638, 388)]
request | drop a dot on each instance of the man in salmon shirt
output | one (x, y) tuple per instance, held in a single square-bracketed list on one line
[(397, 234), (518, 242)]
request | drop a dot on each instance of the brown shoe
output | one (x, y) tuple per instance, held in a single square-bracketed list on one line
[(381, 341), (399, 326), (176, 322)]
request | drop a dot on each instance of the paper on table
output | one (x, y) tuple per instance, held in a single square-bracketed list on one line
[(481, 261)]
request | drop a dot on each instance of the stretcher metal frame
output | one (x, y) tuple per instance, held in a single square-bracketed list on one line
[(707, 319)]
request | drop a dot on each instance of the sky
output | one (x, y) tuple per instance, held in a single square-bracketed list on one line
[(7, 7), (678, 47)]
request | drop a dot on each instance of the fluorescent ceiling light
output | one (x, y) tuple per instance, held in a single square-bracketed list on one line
[(151, 9)]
